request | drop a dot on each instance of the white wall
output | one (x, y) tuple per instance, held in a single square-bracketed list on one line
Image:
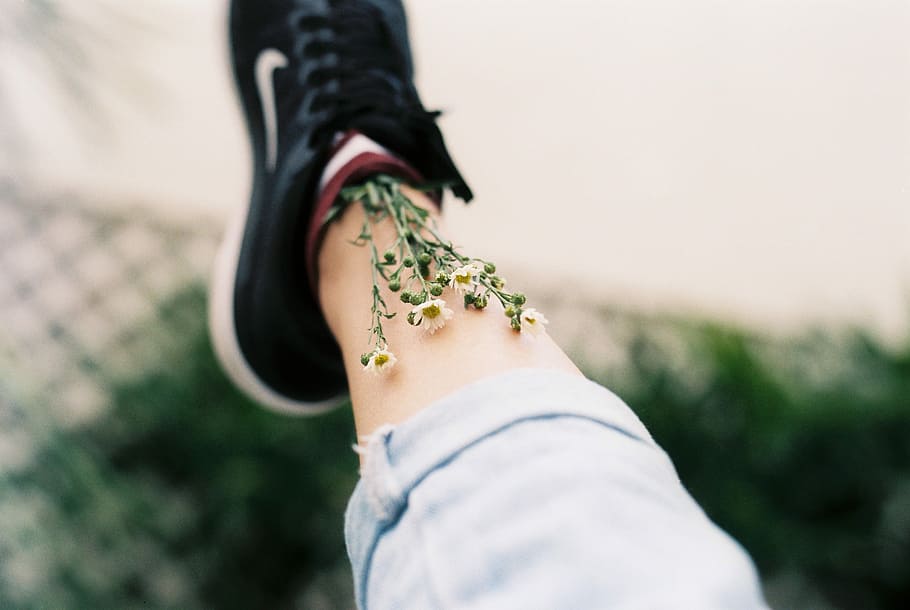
[(749, 159)]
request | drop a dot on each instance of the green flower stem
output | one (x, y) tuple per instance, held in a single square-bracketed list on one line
[(417, 235), (376, 319), (502, 296), (403, 236), (447, 247)]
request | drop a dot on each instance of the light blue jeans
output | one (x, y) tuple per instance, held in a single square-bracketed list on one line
[(534, 489)]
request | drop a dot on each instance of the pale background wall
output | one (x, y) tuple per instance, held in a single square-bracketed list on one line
[(746, 159)]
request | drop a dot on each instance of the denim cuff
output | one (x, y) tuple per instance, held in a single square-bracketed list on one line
[(396, 458)]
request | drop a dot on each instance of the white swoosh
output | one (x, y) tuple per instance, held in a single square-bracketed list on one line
[(266, 63)]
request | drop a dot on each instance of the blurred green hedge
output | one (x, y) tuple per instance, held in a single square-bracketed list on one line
[(185, 495), (799, 448)]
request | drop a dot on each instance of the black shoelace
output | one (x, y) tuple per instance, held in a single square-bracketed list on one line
[(363, 75), (360, 74)]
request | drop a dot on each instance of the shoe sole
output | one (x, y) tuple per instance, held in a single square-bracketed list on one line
[(224, 336), (221, 318)]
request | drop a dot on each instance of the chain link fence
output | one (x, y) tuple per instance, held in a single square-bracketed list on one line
[(92, 299), (82, 290)]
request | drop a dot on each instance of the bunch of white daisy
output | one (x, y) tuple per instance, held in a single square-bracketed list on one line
[(422, 267)]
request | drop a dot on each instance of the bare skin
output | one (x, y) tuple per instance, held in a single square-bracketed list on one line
[(473, 345)]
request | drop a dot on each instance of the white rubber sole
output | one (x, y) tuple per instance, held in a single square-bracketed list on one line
[(221, 305), (224, 336)]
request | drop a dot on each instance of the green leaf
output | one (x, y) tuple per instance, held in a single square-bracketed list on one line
[(372, 194), (353, 193), (333, 213)]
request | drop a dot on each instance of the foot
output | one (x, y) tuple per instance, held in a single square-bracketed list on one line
[(307, 71)]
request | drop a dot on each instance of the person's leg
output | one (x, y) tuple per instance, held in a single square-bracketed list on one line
[(495, 475), (475, 344)]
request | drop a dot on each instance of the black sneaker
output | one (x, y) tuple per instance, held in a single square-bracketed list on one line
[(307, 70)]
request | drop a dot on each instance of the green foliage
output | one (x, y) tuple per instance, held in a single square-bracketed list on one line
[(185, 495), (799, 449)]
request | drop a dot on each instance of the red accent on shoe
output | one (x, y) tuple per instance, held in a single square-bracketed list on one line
[(358, 168)]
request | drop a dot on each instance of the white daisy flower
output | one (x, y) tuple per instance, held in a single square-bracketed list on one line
[(432, 315), (380, 362), (533, 322), (465, 278)]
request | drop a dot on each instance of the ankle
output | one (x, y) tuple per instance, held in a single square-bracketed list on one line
[(354, 158), (344, 270), (430, 365)]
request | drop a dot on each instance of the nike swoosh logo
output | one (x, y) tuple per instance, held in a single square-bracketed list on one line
[(268, 61)]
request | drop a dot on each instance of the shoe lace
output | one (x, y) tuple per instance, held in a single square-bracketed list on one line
[(356, 74), (360, 75)]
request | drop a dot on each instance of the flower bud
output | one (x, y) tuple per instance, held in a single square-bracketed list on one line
[(417, 298), (518, 298), (516, 323), (490, 268), (408, 261), (424, 258), (394, 285), (364, 359), (442, 278), (481, 302), (435, 290), (510, 312), (469, 299), (412, 318), (497, 282), (389, 256), (406, 296)]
